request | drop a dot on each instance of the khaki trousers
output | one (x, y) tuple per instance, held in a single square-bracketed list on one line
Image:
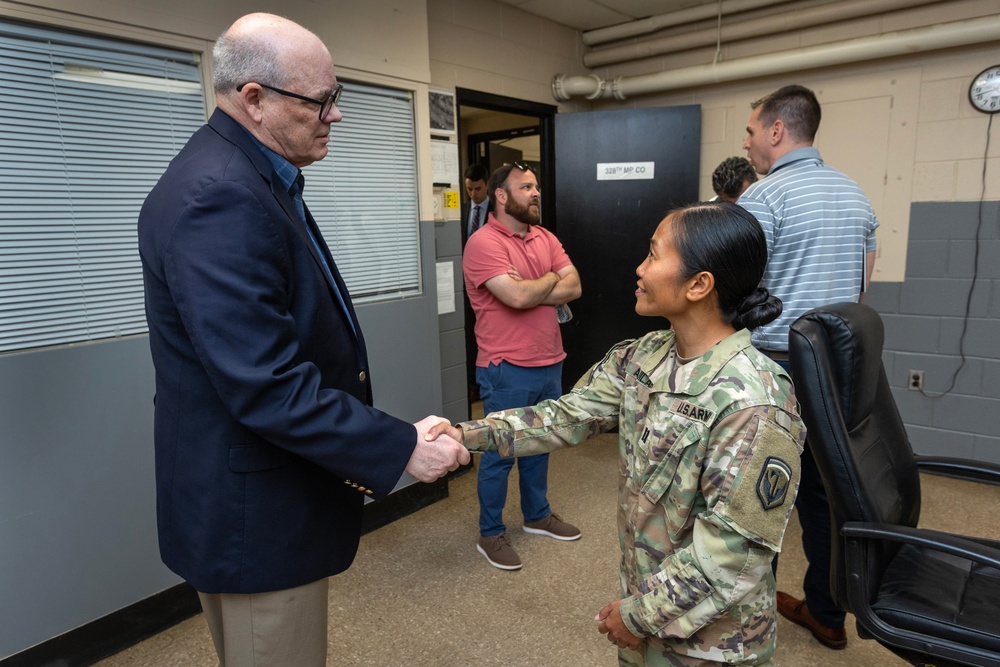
[(274, 629)]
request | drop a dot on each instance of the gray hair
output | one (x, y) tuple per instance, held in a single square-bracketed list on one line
[(241, 57)]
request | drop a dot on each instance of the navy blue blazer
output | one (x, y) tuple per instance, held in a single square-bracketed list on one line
[(266, 442)]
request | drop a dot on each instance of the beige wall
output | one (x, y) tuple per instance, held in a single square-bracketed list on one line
[(496, 48), (902, 127), (408, 44), (385, 37), (382, 42)]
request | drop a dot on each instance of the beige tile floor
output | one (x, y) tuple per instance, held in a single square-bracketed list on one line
[(420, 595)]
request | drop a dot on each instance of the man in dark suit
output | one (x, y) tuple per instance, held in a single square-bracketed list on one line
[(266, 439), (479, 206), (475, 212)]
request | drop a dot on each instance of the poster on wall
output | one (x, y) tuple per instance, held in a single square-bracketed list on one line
[(442, 103), (444, 163), (445, 287)]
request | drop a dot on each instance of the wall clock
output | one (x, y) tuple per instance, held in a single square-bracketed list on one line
[(984, 91)]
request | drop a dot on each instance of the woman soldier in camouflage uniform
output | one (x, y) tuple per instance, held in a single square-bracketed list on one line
[(709, 440)]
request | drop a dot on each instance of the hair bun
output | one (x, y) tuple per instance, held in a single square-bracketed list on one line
[(757, 308)]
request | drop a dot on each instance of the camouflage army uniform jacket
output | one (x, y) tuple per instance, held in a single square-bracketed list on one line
[(709, 469)]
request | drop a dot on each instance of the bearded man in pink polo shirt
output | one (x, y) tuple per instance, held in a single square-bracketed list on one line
[(516, 275)]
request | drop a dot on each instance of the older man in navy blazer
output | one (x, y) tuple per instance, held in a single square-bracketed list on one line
[(266, 439)]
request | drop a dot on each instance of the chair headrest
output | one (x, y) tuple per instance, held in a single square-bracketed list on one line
[(850, 335)]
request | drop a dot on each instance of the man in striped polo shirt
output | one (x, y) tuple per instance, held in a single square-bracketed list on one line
[(820, 230)]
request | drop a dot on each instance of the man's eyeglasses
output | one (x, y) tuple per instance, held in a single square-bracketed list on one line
[(324, 105), (523, 167)]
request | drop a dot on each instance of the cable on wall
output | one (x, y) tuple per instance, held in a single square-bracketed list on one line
[(975, 269), (718, 36)]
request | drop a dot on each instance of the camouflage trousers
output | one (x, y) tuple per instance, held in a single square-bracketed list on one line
[(630, 658)]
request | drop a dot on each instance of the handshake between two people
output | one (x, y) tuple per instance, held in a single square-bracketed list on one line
[(439, 449)]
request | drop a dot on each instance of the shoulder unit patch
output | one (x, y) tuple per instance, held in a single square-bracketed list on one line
[(773, 483)]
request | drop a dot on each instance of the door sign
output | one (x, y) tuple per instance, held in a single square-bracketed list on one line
[(625, 171)]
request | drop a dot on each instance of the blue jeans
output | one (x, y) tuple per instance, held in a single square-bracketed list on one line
[(814, 517), (502, 387)]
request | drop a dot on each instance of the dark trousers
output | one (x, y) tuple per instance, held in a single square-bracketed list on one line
[(814, 516)]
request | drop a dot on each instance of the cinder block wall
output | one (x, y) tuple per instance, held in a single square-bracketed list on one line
[(454, 380), (924, 319)]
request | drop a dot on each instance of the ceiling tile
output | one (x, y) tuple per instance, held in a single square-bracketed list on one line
[(579, 14), (591, 14), (640, 9)]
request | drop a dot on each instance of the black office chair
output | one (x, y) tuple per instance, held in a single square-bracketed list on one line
[(933, 598)]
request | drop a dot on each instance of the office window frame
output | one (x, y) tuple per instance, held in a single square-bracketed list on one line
[(87, 125), (83, 143)]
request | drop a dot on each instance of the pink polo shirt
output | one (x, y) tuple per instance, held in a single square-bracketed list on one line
[(521, 336)]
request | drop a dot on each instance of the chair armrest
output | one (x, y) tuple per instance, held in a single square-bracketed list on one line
[(974, 549), (862, 590), (973, 471)]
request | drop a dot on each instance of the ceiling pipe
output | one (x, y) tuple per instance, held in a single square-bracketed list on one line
[(747, 29), (887, 45), (671, 19), (591, 87)]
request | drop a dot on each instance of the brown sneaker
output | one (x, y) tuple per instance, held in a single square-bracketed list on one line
[(498, 552), (553, 526), (797, 612)]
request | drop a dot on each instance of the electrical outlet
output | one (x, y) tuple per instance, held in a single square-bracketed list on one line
[(916, 382)]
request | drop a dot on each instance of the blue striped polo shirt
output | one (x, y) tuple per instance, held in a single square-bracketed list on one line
[(819, 227)]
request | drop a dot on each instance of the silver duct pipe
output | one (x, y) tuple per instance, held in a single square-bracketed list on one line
[(748, 29), (671, 19), (899, 43)]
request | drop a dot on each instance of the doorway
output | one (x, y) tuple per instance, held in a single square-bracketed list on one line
[(494, 130), (619, 172)]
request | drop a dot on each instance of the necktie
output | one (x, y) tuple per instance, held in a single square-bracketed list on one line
[(476, 215), (296, 193)]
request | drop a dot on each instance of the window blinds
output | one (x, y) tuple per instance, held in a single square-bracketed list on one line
[(364, 194), (87, 125)]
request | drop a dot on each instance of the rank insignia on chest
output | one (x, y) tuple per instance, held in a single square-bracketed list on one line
[(773, 483)]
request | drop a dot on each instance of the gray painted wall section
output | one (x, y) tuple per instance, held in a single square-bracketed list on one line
[(454, 380), (77, 505), (77, 499), (924, 318)]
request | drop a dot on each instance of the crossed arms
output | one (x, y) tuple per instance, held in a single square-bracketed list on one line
[(552, 289)]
